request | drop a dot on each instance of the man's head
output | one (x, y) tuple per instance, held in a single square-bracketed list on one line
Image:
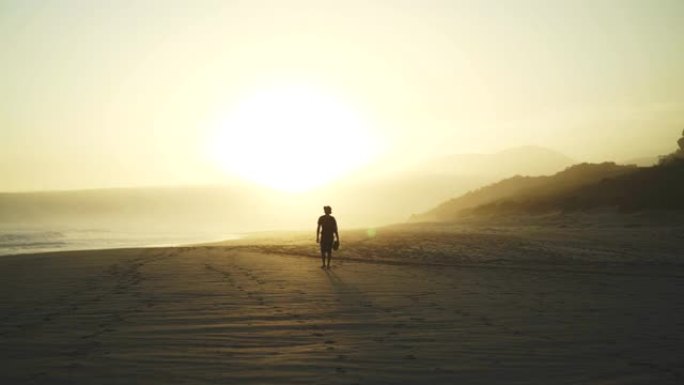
[(327, 209)]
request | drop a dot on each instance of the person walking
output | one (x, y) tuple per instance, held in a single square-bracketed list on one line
[(326, 235)]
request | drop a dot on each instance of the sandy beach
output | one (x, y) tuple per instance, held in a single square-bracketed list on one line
[(239, 315)]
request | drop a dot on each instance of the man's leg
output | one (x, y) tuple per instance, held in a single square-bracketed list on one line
[(329, 257), (322, 254)]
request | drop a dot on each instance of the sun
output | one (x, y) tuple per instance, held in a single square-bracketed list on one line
[(291, 138)]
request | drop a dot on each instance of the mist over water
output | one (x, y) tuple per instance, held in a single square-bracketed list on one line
[(37, 239), (94, 219), (86, 219)]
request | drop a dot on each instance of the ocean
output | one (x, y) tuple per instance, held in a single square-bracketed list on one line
[(37, 240)]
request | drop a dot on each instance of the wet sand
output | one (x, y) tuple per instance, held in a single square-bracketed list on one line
[(222, 315)]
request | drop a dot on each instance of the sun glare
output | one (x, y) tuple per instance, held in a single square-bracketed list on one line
[(291, 138)]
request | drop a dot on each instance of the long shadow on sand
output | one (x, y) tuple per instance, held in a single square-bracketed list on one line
[(347, 294)]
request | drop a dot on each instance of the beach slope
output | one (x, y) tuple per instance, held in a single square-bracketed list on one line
[(210, 315)]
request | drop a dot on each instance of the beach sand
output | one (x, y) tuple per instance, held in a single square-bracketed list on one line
[(241, 315)]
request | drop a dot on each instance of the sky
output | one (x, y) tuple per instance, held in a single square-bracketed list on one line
[(138, 93)]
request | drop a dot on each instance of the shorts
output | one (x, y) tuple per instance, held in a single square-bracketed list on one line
[(326, 245)]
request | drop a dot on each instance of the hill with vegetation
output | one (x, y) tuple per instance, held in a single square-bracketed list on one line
[(578, 188), (582, 187)]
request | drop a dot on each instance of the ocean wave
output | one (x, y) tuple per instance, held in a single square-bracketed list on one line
[(34, 241)]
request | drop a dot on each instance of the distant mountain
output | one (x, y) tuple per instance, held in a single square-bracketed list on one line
[(580, 187), (525, 160), (392, 198)]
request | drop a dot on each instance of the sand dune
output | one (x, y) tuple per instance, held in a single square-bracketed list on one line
[(222, 315)]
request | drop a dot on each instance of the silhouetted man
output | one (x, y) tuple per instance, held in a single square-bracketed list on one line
[(326, 235)]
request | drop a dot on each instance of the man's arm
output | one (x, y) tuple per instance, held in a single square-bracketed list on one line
[(318, 232), (337, 235)]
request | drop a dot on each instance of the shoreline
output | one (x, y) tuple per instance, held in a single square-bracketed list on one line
[(119, 244)]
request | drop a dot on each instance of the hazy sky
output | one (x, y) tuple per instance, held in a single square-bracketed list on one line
[(119, 93)]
